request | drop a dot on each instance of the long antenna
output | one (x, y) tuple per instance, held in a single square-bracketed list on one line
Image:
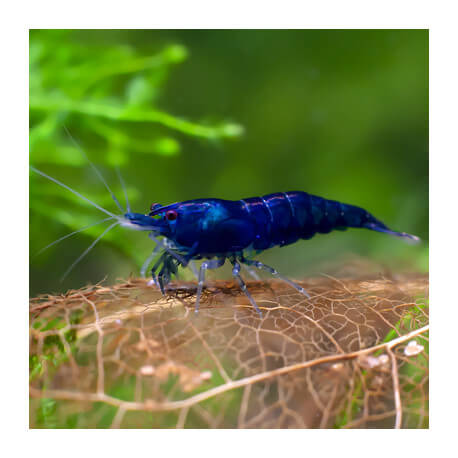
[(86, 251), (73, 191), (97, 171), (118, 172), (72, 233)]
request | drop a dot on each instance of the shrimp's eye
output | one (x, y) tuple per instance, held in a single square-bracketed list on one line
[(171, 215)]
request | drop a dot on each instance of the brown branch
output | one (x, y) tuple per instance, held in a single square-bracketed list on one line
[(151, 405), (396, 390)]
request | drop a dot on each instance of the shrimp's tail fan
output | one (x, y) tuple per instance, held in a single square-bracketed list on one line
[(380, 227)]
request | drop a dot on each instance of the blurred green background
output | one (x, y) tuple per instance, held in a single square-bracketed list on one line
[(226, 113)]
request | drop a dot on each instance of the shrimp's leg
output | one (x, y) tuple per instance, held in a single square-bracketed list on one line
[(169, 267), (236, 274), (262, 266), (252, 273), (192, 266), (154, 269), (214, 264), (148, 261)]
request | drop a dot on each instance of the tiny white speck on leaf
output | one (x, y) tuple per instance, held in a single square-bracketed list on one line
[(413, 348), (147, 370)]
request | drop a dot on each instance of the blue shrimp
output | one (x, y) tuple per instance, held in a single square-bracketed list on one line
[(216, 230)]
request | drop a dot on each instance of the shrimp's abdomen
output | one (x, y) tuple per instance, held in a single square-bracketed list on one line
[(283, 218)]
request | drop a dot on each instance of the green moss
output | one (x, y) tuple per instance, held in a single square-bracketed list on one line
[(46, 414)]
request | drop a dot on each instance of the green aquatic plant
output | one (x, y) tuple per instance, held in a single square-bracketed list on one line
[(108, 96)]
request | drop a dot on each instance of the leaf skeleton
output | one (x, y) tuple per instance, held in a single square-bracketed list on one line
[(216, 230)]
